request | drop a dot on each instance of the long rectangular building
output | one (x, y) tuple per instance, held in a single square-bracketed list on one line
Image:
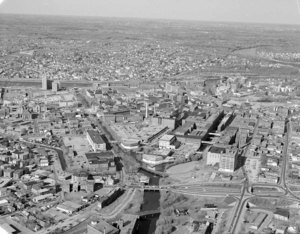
[(96, 140)]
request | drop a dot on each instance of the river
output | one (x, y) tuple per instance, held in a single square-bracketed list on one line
[(147, 225), (154, 179)]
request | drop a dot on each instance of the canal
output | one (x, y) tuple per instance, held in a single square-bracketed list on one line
[(154, 179), (147, 224)]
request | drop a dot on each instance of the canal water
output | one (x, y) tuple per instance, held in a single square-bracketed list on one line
[(147, 225), (154, 179)]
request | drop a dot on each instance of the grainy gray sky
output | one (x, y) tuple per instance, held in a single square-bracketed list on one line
[(262, 11)]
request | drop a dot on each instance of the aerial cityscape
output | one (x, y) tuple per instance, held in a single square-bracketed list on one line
[(146, 126)]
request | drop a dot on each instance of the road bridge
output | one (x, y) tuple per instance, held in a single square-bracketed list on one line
[(149, 213), (162, 174), (151, 188)]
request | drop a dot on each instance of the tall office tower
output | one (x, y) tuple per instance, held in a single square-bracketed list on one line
[(146, 115), (44, 83), (228, 161), (55, 86)]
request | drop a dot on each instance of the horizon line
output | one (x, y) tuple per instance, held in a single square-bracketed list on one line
[(148, 19)]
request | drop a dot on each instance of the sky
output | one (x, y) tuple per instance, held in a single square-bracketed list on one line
[(252, 11)]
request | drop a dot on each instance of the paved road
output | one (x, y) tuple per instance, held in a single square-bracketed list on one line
[(59, 151), (285, 161), (238, 210), (243, 200), (207, 190), (118, 209)]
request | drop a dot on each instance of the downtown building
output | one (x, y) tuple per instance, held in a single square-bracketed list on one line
[(225, 156), (96, 140), (228, 160)]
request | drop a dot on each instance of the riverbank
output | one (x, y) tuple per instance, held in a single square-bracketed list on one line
[(135, 204)]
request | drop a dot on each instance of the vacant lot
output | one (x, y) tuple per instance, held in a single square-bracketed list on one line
[(79, 145), (190, 172)]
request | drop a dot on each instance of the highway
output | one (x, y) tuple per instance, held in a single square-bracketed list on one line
[(238, 210), (242, 200), (285, 157), (285, 162)]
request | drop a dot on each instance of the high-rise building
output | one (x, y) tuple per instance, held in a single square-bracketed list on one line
[(44, 83), (228, 161), (146, 106), (55, 86), (214, 155)]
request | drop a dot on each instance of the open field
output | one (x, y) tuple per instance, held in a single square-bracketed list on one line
[(195, 171)]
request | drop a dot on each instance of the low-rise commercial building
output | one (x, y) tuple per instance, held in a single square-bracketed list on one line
[(101, 227), (167, 141), (6, 228), (282, 214), (101, 162), (256, 220), (96, 140), (69, 207), (42, 197)]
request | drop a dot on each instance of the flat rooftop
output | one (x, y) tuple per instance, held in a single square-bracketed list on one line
[(99, 158), (104, 192), (217, 150), (167, 137), (96, 137), (6, 228), (103, 227), (128, 131), (68, 205), (4, 182)]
